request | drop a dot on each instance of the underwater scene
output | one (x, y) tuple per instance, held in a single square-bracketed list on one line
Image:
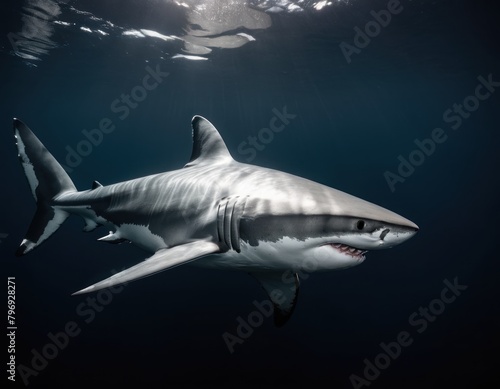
[(247, 193)]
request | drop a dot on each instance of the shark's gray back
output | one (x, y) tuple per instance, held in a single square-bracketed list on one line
[(185, 203)]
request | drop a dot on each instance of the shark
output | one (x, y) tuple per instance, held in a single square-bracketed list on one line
[(214, 212)]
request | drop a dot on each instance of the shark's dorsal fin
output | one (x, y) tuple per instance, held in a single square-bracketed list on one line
[(96, 184), (208, 145)]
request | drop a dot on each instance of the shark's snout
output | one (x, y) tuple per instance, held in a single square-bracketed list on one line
[(396, 235)]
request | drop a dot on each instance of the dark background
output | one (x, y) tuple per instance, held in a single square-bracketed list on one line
[(353, 121)]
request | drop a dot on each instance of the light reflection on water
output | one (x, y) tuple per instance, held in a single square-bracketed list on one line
[(225, 24)]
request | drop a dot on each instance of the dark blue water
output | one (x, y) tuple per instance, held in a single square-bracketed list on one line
[(353, 120)]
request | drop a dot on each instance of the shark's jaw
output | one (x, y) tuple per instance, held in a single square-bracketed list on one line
[(348, 250)]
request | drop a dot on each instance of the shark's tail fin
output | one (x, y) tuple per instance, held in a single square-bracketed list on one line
[(47, 180)]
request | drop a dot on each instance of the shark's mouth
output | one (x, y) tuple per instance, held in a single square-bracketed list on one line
[(348, 250)]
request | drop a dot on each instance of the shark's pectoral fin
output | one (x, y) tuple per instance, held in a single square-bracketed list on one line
[(283, 289), (113, 238), (163, 259)]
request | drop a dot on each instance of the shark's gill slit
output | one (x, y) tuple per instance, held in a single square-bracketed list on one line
[(229, 215), (236, 215), (220, 219)]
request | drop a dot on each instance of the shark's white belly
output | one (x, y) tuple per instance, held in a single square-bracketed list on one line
[(282, 255)]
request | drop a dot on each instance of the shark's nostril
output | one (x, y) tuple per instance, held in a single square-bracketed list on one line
[(384, 233)]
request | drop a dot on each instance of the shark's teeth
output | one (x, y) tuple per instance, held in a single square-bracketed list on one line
[(348, 250)]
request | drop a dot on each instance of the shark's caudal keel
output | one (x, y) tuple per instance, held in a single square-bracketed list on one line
[(214, 212)]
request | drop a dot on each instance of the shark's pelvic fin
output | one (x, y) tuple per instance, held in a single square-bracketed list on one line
[(283, 289), (208, 145), (113, 238), (47, 180), (90, 225), (163, 259)]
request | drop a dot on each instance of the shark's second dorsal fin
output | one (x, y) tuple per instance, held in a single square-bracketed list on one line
[(96, 184), (208, 145)]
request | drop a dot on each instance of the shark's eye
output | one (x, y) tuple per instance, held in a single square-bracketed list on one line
[(360, 224)]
